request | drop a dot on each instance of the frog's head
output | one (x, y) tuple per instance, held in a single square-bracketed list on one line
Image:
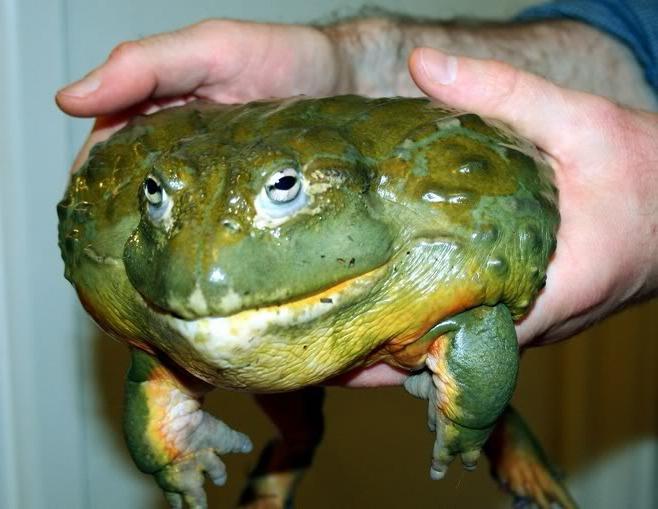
[(232, 226)]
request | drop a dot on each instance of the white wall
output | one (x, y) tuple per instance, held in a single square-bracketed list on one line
[(41, 418)]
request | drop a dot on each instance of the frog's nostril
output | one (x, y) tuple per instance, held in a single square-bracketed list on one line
[(231, 225)]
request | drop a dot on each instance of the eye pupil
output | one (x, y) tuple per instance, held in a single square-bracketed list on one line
[(153, 192), (283, 186), (285, 183), (152, 187)]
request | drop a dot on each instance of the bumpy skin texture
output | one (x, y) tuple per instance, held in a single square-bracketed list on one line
[(413, 224)]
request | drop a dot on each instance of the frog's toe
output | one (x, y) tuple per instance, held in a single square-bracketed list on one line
[(212, 466), (188, 500), (441, 458), (470, 459), (453, 440), (182, 483), (224, 439), (182, 480), (438, 470), (175, 500)]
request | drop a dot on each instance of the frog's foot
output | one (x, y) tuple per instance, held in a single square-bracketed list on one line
[(283, 462), (450, 437), (532, 486), (472, 373), (522, 468), (170, 437), (182, 479)]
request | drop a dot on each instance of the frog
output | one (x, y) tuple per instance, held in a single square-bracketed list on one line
[(272, 246)]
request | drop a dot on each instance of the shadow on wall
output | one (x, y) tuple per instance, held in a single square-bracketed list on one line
[(585, 398)]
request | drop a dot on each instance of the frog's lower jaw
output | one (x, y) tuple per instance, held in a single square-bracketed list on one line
[(236, 346)]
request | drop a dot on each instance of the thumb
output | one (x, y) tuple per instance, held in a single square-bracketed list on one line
[(536, 108)]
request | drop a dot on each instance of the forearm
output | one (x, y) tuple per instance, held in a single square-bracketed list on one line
[(373, 55)]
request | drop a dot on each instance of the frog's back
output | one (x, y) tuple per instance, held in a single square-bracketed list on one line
[(454, 176), (450, 175), (444, 174), (432, 173)]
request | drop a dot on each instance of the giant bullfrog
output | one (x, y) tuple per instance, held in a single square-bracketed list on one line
[(270, 246)]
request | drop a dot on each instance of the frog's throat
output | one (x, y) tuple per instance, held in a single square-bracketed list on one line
[(247, 326)]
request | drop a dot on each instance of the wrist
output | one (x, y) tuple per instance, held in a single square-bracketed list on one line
[(372, 54), (372, 57), (318, 66)]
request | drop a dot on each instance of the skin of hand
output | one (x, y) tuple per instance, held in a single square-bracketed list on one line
[(605, 159), (218, 60), (605, 156)]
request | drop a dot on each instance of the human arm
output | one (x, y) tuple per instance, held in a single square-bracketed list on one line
[(235, 61), (373, 54)]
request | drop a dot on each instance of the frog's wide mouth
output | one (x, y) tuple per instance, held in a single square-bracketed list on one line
[(216, 333)]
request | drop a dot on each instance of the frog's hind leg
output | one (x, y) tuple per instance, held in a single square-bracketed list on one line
[(473, 365), (521, 466), (298, 417)]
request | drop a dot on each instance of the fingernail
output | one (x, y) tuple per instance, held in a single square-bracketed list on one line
[(439, 67), (82, 88)]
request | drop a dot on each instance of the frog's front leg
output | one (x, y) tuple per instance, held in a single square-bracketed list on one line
[(299, 420), (168, 434), (473, 365)]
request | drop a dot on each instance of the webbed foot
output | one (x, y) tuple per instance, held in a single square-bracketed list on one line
[(472, 373), (170, 437), (522, 468), (182, 479), (447, 443)]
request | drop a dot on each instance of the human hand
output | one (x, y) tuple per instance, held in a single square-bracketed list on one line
[(605, 159), (218, 60)]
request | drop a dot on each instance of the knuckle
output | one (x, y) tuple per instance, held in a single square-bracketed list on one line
[(505, 83), (209, 23), (125, 50), (214, 25), (603, 113)]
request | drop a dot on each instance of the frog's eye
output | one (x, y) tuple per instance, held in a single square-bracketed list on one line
[(153, 191), (157, 199), (283, 186), (281, 198)]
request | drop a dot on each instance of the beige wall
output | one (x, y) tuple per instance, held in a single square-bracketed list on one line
[(593, 399)]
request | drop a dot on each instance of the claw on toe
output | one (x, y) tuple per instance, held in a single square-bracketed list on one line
[(470, 459), (440, 467), (438, 471)]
